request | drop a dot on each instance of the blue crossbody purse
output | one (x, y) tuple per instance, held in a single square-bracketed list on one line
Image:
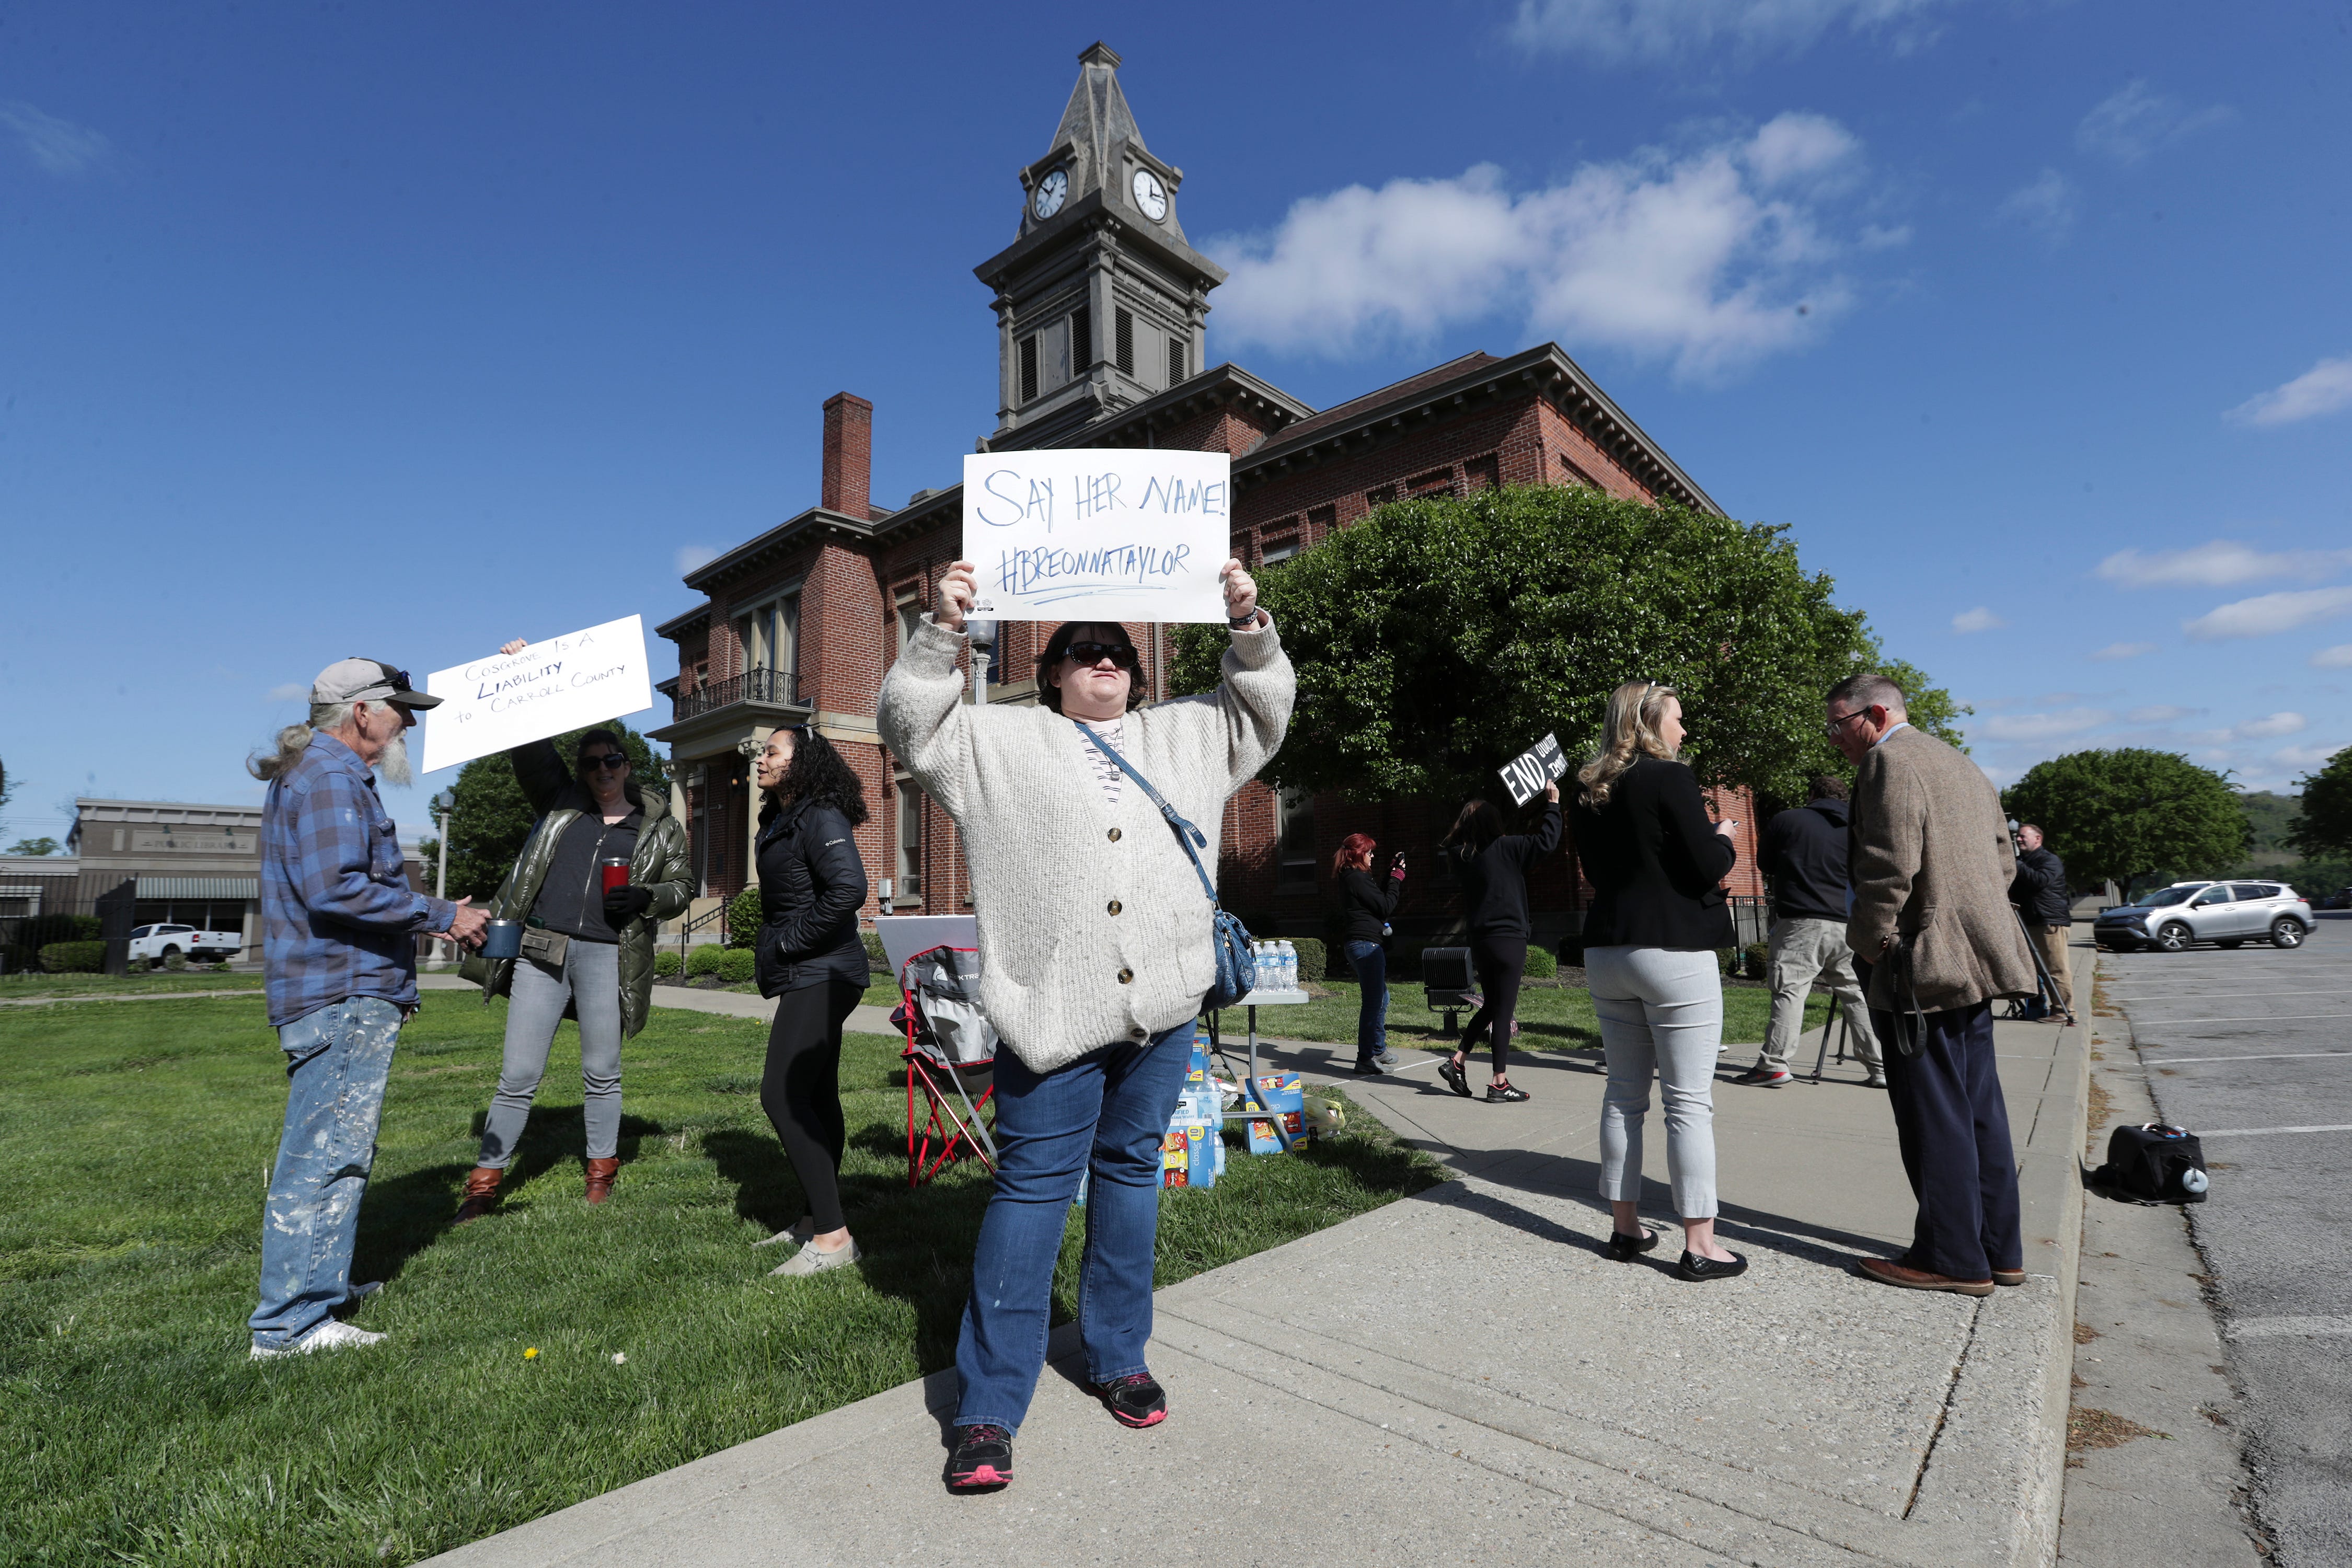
[(1236, 966)]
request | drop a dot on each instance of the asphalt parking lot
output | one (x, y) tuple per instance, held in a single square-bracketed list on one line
[(2251, 1049)]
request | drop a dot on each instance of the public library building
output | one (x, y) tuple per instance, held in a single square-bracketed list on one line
[(1102, 308)]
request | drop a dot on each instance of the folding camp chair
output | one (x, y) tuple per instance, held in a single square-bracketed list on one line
[(950, 1051)]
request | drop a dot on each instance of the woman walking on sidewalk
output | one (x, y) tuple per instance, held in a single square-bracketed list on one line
[(1494, 871), (1658, 915), (1365, 905), (1095, 952), (589, 953), (812, 961)]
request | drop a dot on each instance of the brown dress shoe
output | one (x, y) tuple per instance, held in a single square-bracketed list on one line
[(599, 1179), (481, 1194), (1887, 1272), (2009, 1276)]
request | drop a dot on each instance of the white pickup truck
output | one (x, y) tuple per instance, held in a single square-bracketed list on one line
[(158, 942)]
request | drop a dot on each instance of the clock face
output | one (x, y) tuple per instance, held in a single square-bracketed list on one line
[(1150, 195), (1050, 193)]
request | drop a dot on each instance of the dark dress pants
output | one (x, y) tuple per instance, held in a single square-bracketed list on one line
[(1953, 1128)]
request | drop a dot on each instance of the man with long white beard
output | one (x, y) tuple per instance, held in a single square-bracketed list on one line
[(338, 944)]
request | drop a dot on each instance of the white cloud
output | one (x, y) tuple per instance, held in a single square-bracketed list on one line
[(2044, 204), (2304, 756), (2045, 726), (1619, 30), (2325, 388), (694, 557), (2274, 725), (292, 691), (2218, 564), (2268, 613), (1712, 259), (2337, 658), (1980, 619), (2158, 715), (59, 146), (2115, 650), (2133, 122)]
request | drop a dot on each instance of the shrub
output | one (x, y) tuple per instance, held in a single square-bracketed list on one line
[(1757, 957), (874, 953), (139, 966), (737, 964), (176, 961), (667, 963), (1541, 964), (38, 931), (1310, 959), (1727, 960), (743, 918), (704, 960), (74, 957)]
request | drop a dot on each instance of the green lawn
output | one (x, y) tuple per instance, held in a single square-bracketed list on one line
[(17, 985), (1549, 1020), (135, 1143)]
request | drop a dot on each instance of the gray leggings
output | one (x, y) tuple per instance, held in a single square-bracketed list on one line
[(591, 984), (1661, 1013)]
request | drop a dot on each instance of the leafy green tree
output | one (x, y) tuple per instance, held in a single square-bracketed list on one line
[(1438, 638), (2130, 813), (43, 845), (2323, 823), (492, 820)]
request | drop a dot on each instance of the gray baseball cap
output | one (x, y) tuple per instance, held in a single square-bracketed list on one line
[(359, 680)]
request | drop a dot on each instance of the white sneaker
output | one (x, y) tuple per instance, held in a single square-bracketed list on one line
[(329, 1336), (798, 1233), (815, 1260)]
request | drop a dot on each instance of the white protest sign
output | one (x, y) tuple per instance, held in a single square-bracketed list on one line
[(563, 683), (1526, 774), (1098, 533)]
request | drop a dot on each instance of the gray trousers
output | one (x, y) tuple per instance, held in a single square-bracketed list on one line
[(1661, 1011), (590, 985), (1801, 950)]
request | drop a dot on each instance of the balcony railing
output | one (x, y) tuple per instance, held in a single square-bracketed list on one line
[(776, 687)]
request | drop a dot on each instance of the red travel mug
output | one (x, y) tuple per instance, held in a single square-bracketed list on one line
[(616, 873)]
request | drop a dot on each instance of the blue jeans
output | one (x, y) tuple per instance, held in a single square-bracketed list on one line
[(1106, 1113), (337, 1059), (1369, 959)]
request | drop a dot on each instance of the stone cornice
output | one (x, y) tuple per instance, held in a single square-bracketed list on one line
[(816, 522)]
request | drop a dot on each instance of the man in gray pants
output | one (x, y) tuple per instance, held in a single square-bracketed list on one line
[(1803, 852)]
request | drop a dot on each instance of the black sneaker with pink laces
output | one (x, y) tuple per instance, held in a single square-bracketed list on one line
[(983, 1461), (1135, 1400)]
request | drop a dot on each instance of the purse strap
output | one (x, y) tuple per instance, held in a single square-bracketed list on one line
[(1186, 834)]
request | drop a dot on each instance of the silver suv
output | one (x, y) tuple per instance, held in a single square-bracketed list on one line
[(2226, 914)]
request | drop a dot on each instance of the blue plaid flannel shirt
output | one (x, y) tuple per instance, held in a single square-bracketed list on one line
[(338, 918)]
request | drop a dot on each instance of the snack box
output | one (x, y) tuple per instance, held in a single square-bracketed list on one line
[(1175, 1158), (1279, 1092), (1262, 1139)]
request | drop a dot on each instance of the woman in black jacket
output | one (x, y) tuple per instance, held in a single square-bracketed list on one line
[(1494, 870), (1655, 863), (813, 960), (1365, 906)]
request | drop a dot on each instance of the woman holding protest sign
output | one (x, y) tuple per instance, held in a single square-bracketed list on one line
[(1095, 952), (1366, 902), (1658, 915), (812, 961), (1494, 870), (604, 864)]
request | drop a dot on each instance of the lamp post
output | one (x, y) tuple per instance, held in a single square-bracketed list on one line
[(443, 805)]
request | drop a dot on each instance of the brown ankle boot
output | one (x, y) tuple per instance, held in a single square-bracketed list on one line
[(481, 1194), (599, 1179)]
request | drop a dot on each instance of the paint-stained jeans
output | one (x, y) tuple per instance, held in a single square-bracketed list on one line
[(337, 1059)]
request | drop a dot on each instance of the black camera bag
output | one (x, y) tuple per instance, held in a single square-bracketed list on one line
[(2154, 1164)]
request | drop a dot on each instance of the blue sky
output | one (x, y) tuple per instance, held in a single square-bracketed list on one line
[(405, 330)]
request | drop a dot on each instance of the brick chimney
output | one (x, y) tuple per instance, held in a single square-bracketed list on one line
[(848, 456)]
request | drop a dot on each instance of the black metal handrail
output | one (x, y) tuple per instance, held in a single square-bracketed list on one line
[(779, 688)]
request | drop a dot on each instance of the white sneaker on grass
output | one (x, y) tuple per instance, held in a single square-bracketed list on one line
[(815, 1260), (329, 1336), (798, 1233)]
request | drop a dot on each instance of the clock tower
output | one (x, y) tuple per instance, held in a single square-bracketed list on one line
[(1100, 301)]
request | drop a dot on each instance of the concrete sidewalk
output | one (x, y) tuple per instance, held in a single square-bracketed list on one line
[(1463, 1377), (862, 1020)]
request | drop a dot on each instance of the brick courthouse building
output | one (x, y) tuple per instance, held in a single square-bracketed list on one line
[(1101, 309)]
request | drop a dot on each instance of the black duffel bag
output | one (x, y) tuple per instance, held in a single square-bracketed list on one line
[(2154, 1164)]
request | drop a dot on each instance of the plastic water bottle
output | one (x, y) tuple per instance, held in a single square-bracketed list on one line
[(1289, 967), (1260, 977)]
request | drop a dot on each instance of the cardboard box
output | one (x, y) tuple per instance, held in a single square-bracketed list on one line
[(1175, 1160), (1201, 1144)]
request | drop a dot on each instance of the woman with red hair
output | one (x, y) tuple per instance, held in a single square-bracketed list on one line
[(1365, 905)]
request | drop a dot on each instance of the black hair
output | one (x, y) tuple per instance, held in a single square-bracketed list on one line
[(1827, 786), (590, 736), (1479, 824), (817, 773), (1057, 647)]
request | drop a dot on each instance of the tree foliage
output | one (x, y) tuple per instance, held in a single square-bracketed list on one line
[(1438, 638), (2323, 823), (492, 820), (2124, 814), (33, 847)]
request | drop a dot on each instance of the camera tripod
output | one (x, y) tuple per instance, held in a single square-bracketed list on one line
[(2052, 1005)]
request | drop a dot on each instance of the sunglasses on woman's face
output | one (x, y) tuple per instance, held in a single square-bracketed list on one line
[(604, 760), (1121, 655)]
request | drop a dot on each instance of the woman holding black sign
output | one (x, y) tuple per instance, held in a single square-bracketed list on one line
[(1494, 871), (1658, 915)]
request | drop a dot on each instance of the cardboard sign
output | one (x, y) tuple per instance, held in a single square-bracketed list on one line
[(1526, 774), (1098, 533), (564, 683)]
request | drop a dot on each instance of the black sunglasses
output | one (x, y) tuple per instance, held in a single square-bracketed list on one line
[(604, 760), (1121, 655)]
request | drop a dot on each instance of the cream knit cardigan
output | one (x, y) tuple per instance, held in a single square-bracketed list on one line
[(1093, 928)]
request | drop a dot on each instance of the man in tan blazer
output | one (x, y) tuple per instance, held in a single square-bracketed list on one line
[(1931, 863)]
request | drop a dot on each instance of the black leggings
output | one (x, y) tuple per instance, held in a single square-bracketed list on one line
[(1499, 961), (800, 1091)]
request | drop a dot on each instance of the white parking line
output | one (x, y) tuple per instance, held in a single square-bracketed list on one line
[(2287, 1328), (2263, 1131), (2231, 995), (2246, 1018), (2264, 1056)]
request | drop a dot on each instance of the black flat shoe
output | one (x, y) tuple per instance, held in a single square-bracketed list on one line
[(1455, 1079), (1693, 1267), (1622, 1248)]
